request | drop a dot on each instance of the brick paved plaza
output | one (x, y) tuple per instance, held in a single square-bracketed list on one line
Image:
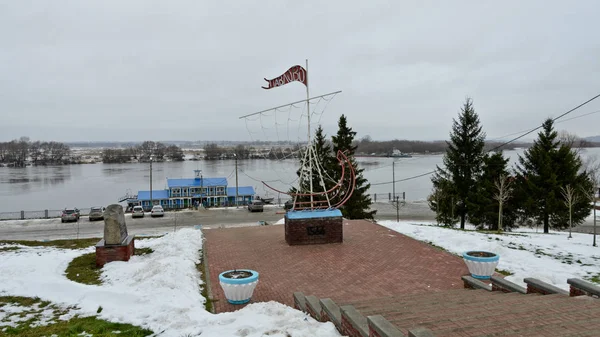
[(372, 262)]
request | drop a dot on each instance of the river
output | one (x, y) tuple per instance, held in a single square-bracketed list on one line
[(82, 186)]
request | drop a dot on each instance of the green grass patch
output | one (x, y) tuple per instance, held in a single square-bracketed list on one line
[(8, 249), (73, 327), (539, 251), (83, 268), (22, 301), (480, 231), (593, 278), (512, 245), (70, 244), (76, 326), (201, 267), (143, 251), (504, 272)]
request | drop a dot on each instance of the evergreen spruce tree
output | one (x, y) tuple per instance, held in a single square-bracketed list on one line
[(484, 214), (569, 165), (325, 158), (462, 161), (541, 172), (357, 207), (441, 201)]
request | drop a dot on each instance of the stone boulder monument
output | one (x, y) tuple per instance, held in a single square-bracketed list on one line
[(117, 244)]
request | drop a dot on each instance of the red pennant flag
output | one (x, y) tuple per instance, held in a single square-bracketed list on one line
[(295, 73)]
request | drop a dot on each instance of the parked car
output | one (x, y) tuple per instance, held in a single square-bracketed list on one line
[(138, 212), (157, 211), (256, 206), (97, 213), (69, 214)]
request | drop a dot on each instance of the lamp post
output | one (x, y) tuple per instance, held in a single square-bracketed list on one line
[(236, 180), (393, 179), (151, 200)]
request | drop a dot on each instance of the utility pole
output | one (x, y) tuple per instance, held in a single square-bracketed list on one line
[(151, 200), (236, 181), (397, 208), (393, 179)]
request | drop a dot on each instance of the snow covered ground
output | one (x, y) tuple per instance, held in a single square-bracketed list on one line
[(552, 257), (159, 291)]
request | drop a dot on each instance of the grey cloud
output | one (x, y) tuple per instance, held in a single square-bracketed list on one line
[(138, 70)]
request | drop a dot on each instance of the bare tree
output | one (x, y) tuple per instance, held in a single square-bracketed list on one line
[(504, 191), (571, 140), (570, 198)]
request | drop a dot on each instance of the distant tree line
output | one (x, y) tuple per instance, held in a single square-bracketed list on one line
[(212, 151), (367, 146), (19, 153), (144, 152)]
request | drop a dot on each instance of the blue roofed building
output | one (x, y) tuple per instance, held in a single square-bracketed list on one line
[(187, 192)]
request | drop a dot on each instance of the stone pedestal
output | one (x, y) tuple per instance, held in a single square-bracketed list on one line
[(313, 227), (117, 245), (108, 253)]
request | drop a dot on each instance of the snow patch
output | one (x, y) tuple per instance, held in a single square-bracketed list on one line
[(159, 291), (552, 257)]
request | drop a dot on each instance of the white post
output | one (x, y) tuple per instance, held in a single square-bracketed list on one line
[(309, 152), (594, 243)]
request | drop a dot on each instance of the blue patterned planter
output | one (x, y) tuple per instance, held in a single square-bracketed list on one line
[(481, 264), (238, 290)]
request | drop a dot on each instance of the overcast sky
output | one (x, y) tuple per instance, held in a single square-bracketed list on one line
[(174, 70)]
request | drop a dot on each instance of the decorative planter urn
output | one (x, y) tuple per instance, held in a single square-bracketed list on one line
[(481, 264), (238, 285)]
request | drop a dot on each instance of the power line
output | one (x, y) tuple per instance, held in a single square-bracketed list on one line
[(268, 181), (503, 144), (564, 120)]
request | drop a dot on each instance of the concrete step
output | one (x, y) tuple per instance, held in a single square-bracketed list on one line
[(528, 324), (478, 311), (499, 320), (410, 297), (488, 301), (464, 312), (419, 299), (468, 322)]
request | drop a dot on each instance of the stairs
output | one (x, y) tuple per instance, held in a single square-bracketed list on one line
[(466, 312)]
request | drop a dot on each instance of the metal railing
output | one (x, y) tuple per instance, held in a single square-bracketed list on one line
[(45, 214), (56, 213), (380, 197)]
